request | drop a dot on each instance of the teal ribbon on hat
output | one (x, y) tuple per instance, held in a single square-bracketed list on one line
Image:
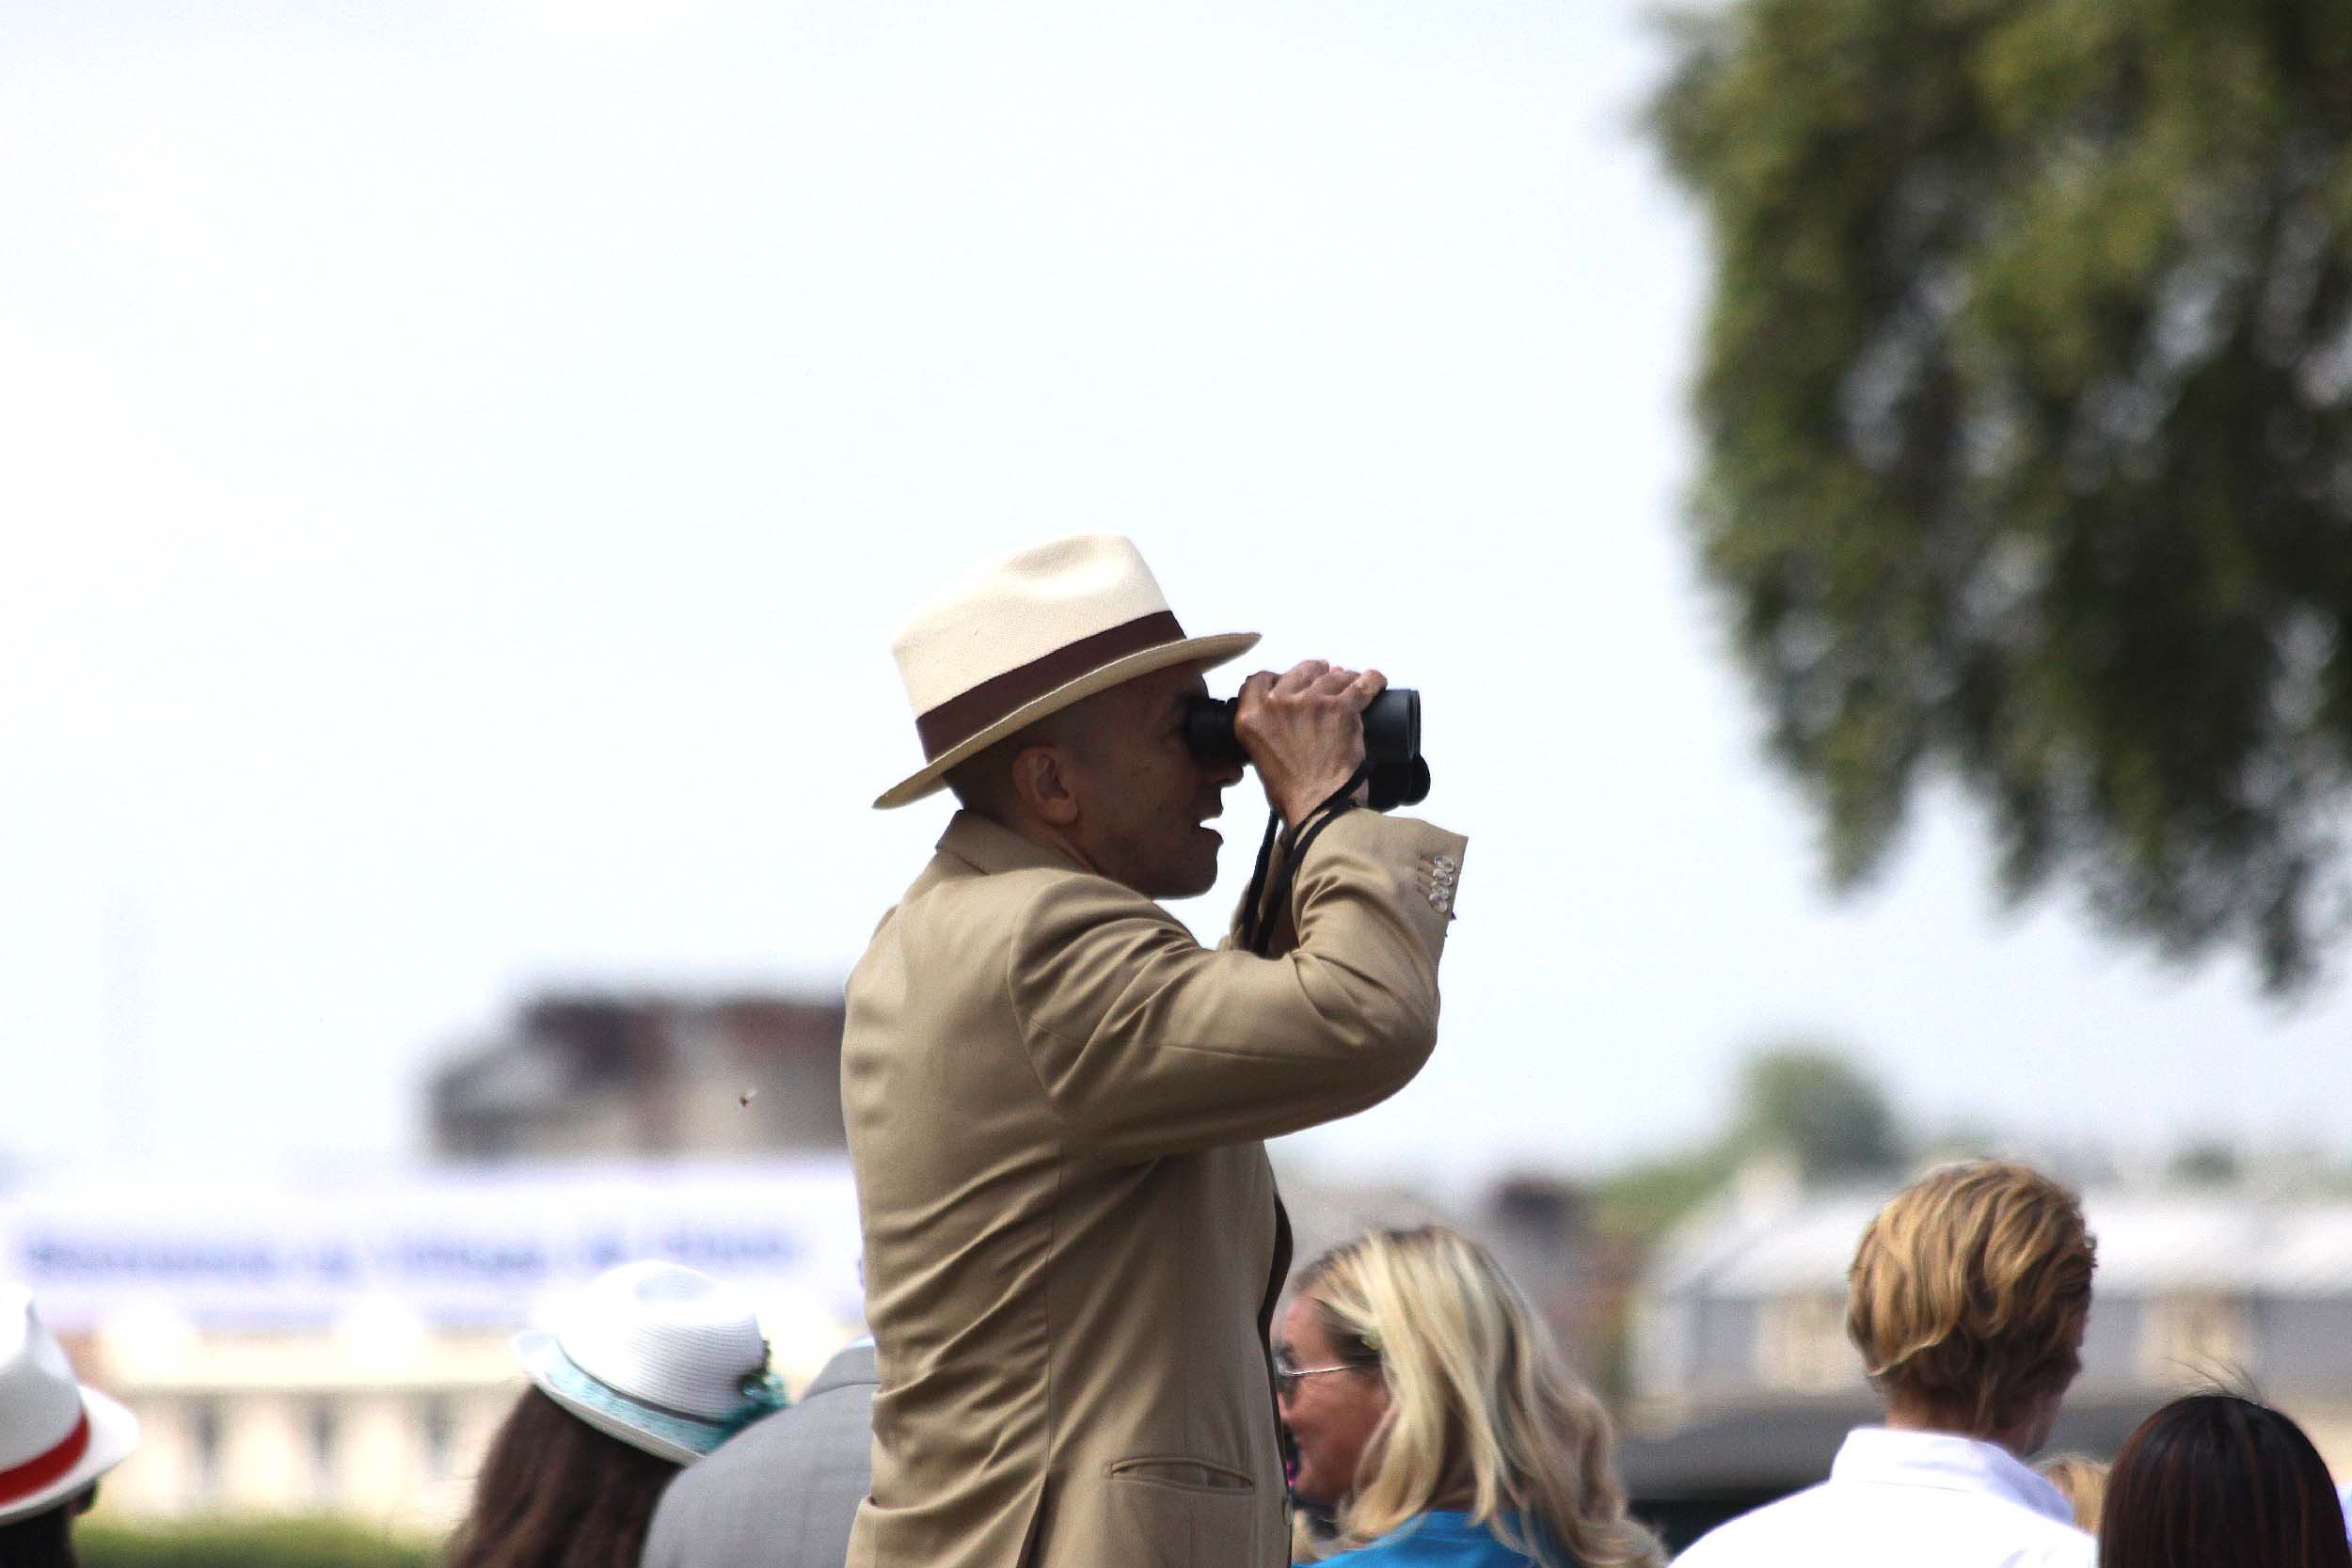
[(555, 1370), (763, 1396)]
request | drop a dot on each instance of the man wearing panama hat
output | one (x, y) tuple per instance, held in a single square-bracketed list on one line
[(1056, 1098)]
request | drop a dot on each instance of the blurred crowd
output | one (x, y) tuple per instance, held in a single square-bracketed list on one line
[(1427, 1419), (1089, 1343)]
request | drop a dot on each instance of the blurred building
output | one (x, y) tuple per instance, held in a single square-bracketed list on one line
[(648, 1074), (341, 1344), (1539, 1228), (379, 1415), (1742, 1381)]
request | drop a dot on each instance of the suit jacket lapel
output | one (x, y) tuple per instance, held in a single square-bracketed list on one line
[(1280, 1276), (1275, 1280)]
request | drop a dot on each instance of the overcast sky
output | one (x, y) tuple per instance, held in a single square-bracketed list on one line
[(461, 467)]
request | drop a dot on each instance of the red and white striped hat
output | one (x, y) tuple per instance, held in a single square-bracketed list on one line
[(56, 1436)]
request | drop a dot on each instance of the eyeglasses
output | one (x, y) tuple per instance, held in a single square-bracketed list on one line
[(1286, 1376)]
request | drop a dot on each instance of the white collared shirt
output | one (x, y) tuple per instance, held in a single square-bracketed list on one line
[(1922, 1499)]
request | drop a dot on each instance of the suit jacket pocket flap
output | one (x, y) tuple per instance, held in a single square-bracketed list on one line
[(1187, 1473)]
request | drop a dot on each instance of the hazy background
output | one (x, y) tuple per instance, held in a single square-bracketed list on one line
[(461, 467)]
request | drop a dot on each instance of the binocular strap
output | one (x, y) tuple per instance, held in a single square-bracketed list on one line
[(1257, 924)]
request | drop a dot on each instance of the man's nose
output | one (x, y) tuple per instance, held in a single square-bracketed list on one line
[(1224, 774)]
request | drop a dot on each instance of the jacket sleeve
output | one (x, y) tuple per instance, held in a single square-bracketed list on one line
[(1148, 1044)]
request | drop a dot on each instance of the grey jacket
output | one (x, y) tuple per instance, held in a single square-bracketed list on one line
[(779, 1493)]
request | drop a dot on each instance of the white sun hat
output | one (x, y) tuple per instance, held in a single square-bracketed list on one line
[(661, 1356), (56, 1436), (1030, 635)]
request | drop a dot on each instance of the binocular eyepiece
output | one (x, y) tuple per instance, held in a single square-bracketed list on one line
[(1399, 776)]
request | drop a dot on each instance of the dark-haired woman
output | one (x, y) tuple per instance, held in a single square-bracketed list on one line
[(648, 1368), (2217, 1482), (57, 1439)]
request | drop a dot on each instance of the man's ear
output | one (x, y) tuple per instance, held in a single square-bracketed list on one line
[(1040, 776)]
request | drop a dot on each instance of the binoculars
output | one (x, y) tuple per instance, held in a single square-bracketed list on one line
[(1397, 776)]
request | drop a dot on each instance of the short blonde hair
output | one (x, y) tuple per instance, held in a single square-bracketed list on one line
[(1479, 1405), (1969, 1291)]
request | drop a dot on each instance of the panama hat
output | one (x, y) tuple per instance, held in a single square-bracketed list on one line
[(56, 1436), (663, 1357), (1028, 636)]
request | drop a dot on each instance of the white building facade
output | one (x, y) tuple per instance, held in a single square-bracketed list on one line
[(341, 1345)]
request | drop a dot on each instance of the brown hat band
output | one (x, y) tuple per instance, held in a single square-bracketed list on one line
[(967, 713)]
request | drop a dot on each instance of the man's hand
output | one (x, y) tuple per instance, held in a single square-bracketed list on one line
[(1305, 730)]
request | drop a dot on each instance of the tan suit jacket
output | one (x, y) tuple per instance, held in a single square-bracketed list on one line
[(1055, 1098)]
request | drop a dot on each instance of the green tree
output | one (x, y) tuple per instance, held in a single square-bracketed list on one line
[(1800, 1099), (2206, 1164), (1643, 1200), (2023, 404), (1814, 1106)]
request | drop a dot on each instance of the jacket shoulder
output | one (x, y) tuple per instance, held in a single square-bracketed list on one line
[(819, 1449), (968, 918)]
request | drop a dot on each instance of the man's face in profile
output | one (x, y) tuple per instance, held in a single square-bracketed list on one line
[(1145, 796)]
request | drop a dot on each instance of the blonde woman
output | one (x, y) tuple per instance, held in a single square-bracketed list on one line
[(1430, 1413)]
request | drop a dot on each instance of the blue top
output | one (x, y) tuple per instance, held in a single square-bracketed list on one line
[(1441, 1538)]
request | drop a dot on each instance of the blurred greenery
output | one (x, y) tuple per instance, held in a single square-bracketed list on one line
[(2206, 1164), (1799, 1100), (255, 1543), (2024, 398), (1645, 1198), (1812, 1104)]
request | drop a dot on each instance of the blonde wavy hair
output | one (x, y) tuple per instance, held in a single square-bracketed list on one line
[(1969, 1291), (2082, 1481), (1482, 1413)]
